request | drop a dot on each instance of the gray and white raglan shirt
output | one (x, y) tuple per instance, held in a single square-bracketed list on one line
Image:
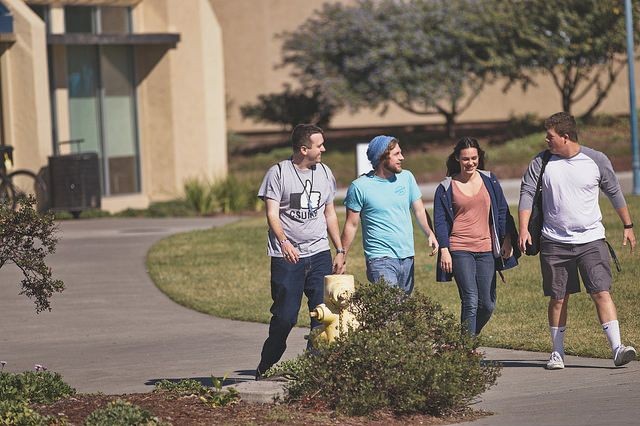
[(570, 192), (303, 195)]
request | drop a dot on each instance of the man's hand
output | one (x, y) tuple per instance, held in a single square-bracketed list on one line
[(628, 235), (340, 263), (433, 243), (290, 252), (524, 239)]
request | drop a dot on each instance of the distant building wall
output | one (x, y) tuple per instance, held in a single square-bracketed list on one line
[(252, 53)]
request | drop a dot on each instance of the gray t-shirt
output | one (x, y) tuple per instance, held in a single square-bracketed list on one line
[(303, 195), (570, 190)]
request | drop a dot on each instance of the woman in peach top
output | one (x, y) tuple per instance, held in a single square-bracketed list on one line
[(475, 231)]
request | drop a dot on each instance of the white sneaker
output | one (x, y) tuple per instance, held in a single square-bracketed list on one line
[(624, 354), (555, 361)]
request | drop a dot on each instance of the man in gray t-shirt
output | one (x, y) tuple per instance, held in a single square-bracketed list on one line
[(572, 239), (298, 194)]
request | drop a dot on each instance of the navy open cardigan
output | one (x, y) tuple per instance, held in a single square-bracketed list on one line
[(500, 222)]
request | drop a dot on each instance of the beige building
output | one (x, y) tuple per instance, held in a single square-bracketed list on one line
[(252, 52), (139, 82)]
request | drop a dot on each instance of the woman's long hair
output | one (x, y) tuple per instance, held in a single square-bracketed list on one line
[(453, 166)]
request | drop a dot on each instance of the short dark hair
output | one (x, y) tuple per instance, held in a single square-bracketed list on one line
[(563, 123), (453, 166), (301, 135)]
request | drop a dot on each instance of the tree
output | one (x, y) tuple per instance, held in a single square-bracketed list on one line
[(26, 238), (580, 44), (291, 107), (427, 57)]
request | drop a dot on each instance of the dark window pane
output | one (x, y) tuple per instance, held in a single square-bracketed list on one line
[(78, 19), (114, 19)]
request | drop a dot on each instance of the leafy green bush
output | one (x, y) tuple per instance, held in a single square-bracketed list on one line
[(26, 239), (17, 391), (234, 195), (408, 356), (199, 195), (41, 387), (121, 413), (213, 396), (523, 125), (20, 414)]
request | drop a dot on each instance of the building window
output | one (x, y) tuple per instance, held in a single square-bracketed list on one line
[(114, 19), (102, 102), (102, 112), (97, 19), (79, 19)]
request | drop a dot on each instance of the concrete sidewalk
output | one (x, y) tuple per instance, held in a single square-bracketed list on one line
[(112, 331)]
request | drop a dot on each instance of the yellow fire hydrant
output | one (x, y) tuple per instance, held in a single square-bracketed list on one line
[(334, 313)]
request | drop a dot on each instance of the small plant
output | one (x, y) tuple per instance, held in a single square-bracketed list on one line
[(17, 391), (199, 196), (213, 396), (234, 195), (122, 413), (408, 356), (41, 387), (19, 413), (26, 239)]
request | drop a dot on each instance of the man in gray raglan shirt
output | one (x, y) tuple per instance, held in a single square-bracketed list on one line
[(572, 233), (298, 194)]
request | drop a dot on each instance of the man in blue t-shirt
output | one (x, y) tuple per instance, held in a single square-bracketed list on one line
[(382, 199)]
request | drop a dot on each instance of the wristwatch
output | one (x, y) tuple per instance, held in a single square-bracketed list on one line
[(343, 251), (629, 226)]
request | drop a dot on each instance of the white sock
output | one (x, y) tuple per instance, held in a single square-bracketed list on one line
[(557, 338), (612, 329)]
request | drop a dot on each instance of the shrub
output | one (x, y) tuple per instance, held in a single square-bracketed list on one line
[(235, 195), (408, 356), (41, 387), (26, 239), (199, 196), (19, 413), (17, 391), (121, 413), (214, 396)]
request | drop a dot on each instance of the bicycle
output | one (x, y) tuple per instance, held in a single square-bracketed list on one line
[(19, 183)]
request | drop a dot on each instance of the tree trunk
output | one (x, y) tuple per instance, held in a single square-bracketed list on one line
[(450, 124)]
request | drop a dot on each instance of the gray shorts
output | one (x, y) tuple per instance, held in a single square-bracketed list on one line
[(561, 262)]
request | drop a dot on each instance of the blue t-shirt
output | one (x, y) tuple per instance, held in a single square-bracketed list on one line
[(385, 213)]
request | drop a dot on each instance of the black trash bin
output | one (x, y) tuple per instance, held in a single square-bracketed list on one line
[(75, 182)]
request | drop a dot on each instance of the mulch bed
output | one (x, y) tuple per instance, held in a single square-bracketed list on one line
[(191, 411)]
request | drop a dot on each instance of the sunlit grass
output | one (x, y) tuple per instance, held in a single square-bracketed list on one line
[(225, 272)]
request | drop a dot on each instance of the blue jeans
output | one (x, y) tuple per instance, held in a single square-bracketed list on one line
[(396, 272), (475, 275), (288, 282)]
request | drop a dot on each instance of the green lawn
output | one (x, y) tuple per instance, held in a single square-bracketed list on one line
[(225, 272)]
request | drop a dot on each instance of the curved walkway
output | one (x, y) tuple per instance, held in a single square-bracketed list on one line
[(112, 331)]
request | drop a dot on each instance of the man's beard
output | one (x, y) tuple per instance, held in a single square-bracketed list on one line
[(393, 169)]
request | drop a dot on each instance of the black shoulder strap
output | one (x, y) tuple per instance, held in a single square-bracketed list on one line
[(545, 159)]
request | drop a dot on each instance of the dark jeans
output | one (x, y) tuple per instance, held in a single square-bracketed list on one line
[(475, 275), (288, 283)]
